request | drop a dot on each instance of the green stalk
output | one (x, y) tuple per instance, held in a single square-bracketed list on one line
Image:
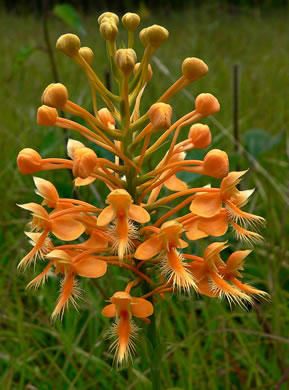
[(153, 336)]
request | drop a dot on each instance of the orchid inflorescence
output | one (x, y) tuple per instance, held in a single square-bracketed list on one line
[(139, 230)]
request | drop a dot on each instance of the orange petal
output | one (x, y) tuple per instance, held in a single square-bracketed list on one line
[(72, 146), (206, 205), (183, 244), (175, 184), (231, 180), (141, 308), (149, 248), (90, 267), (109, 310), (36, 209), (214, 226), (78, 182), (59, 254), (193, 233), (97, 239), (66, 228), (214, 248), (235, 261), (46, 190), (138, 213), (106, 216)]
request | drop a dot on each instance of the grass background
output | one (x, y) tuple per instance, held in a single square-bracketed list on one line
[(207, 345)]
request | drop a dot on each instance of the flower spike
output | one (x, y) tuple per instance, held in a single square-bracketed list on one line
[(147, 219)]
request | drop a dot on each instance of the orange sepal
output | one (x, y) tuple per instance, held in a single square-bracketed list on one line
[(206, 205), (183, 243), (109, 311), (36, 209), (91, 267), (47, 191), (214, 226), (141, 308), (193, 233), (138, 213), (173, 183), (235, 261), (66, 228), (78, 182), (149, 248), (106, 216)]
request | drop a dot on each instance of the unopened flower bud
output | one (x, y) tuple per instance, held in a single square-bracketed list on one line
[(194, 68), (55, 95), (85, 161), (87, 54), (106, 118), (153, 36), (149, 71), (108, 16), (126, 60), (207, 104), (46, 116), (216, 163), (160, 115), (200, 136), (108, 31), (130, 21), (29, 161), (69, 44)]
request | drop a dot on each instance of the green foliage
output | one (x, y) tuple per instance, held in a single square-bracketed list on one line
[(69, 15), (257, 141), (21, 57)]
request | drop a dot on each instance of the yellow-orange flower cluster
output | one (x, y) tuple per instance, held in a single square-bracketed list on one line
[(136, 231)]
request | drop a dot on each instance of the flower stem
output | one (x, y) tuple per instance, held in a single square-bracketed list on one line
[(153, 336)]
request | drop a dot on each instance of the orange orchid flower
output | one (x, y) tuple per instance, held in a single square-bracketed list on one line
[(212, 275), (166, 241), (64, 227), (121, 211), (70, 263), (123, 306), (208, 205)]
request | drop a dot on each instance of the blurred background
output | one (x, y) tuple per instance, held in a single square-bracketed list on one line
[(207, 344)]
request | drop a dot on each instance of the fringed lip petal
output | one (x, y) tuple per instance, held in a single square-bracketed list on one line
[(141, 308), (106, 216), (138, 214), (90, 267), (67, 291), (109, 311), (66, 228), (149, 248), (206, 205)]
